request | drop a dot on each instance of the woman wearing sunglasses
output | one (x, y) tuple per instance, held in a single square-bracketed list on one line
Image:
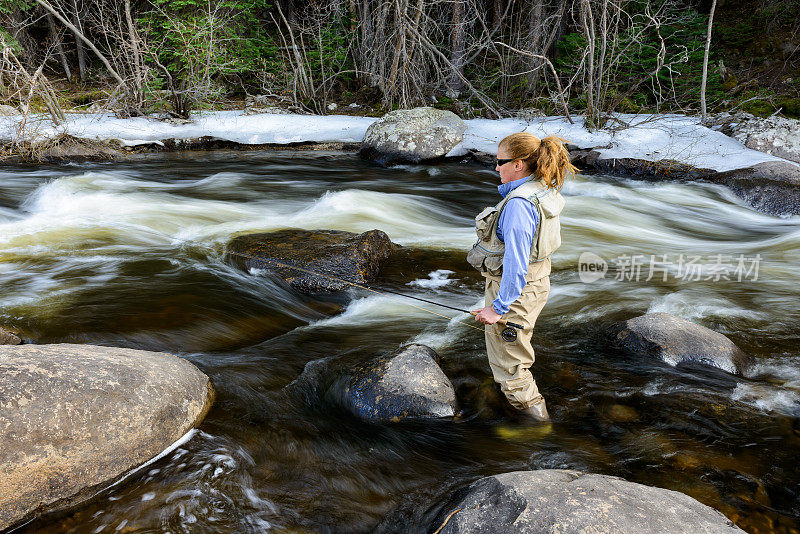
[(515, 240)]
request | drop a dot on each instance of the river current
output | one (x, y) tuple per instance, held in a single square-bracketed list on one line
[(133, 254)]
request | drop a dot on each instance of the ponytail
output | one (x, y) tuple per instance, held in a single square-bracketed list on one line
[(552, 162), (549, 157)]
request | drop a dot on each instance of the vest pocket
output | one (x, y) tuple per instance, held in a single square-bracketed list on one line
[(483, 223), (485, 260)]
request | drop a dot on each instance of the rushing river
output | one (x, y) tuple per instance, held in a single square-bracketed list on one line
[(132, 254)]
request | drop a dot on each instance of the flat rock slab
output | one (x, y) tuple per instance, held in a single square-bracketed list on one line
[(412, 135), (772, 187), (74, 418), (403, 384), (562, 501), (674, 341), (313, 261)]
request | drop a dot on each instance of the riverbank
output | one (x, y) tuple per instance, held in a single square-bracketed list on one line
[(654, 138)]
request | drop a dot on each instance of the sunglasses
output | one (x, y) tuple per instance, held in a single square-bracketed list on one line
[(501, 162)]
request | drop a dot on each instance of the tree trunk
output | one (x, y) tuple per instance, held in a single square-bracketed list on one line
[(78, 43), (497, 14), (137, 67), (587, 21), (59, 46), (455, 83), (705, 62), (535, 38)]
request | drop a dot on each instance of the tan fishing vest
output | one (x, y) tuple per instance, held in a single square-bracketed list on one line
[(487, 252)]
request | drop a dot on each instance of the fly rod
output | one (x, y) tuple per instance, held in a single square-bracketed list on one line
[(509, 333), (501, 320)]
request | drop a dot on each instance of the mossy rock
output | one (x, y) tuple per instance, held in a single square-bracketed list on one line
[(759, 108), (791, 106)]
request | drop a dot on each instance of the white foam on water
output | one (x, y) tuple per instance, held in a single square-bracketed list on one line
[(437, 338), (695, 305), (114, 208), (436, 279), (373, 309), (768, 398), (785, 368)]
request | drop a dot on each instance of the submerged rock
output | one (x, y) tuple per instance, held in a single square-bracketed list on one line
[(412, 135), (554, 500), (675, 341), (74, 418), (295, 255), (405, 383), (8, 337)]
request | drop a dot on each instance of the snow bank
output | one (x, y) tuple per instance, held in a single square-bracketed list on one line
[(649, 137), (226, 125)]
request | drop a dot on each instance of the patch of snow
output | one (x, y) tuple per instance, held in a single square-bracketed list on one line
[(648, 137)]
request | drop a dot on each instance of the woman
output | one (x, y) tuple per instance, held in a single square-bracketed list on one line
[(515, 240)]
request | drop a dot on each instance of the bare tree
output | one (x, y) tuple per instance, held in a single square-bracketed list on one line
[(705, 62)]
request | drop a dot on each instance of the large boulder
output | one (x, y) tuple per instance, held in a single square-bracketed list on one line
[(74, 418), (313, 261), (554, 500), (406, 383), (675, 341), (412, 135), (772, 186)]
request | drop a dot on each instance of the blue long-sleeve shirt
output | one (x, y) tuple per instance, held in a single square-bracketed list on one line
[(515, 228)]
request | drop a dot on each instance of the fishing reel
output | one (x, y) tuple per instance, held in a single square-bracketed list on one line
[(509, 333)]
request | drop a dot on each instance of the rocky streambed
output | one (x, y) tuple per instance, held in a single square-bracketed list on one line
[(340, 409)]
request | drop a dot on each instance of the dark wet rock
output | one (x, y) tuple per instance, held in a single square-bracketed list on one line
[(572, 501), (74, 418), (677, 341), (406, 383), (8, 337), (332, 253), (412, 135), (772, 187), (664, 169)]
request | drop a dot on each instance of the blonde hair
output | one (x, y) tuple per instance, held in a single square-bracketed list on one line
[(549, 157)]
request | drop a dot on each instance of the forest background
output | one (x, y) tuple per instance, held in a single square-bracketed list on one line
[(478, 58)]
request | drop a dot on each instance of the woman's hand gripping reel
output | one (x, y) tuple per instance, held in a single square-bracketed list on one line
[(509, 333)]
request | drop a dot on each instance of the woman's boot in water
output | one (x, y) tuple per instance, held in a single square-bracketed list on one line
[(536, 413)]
